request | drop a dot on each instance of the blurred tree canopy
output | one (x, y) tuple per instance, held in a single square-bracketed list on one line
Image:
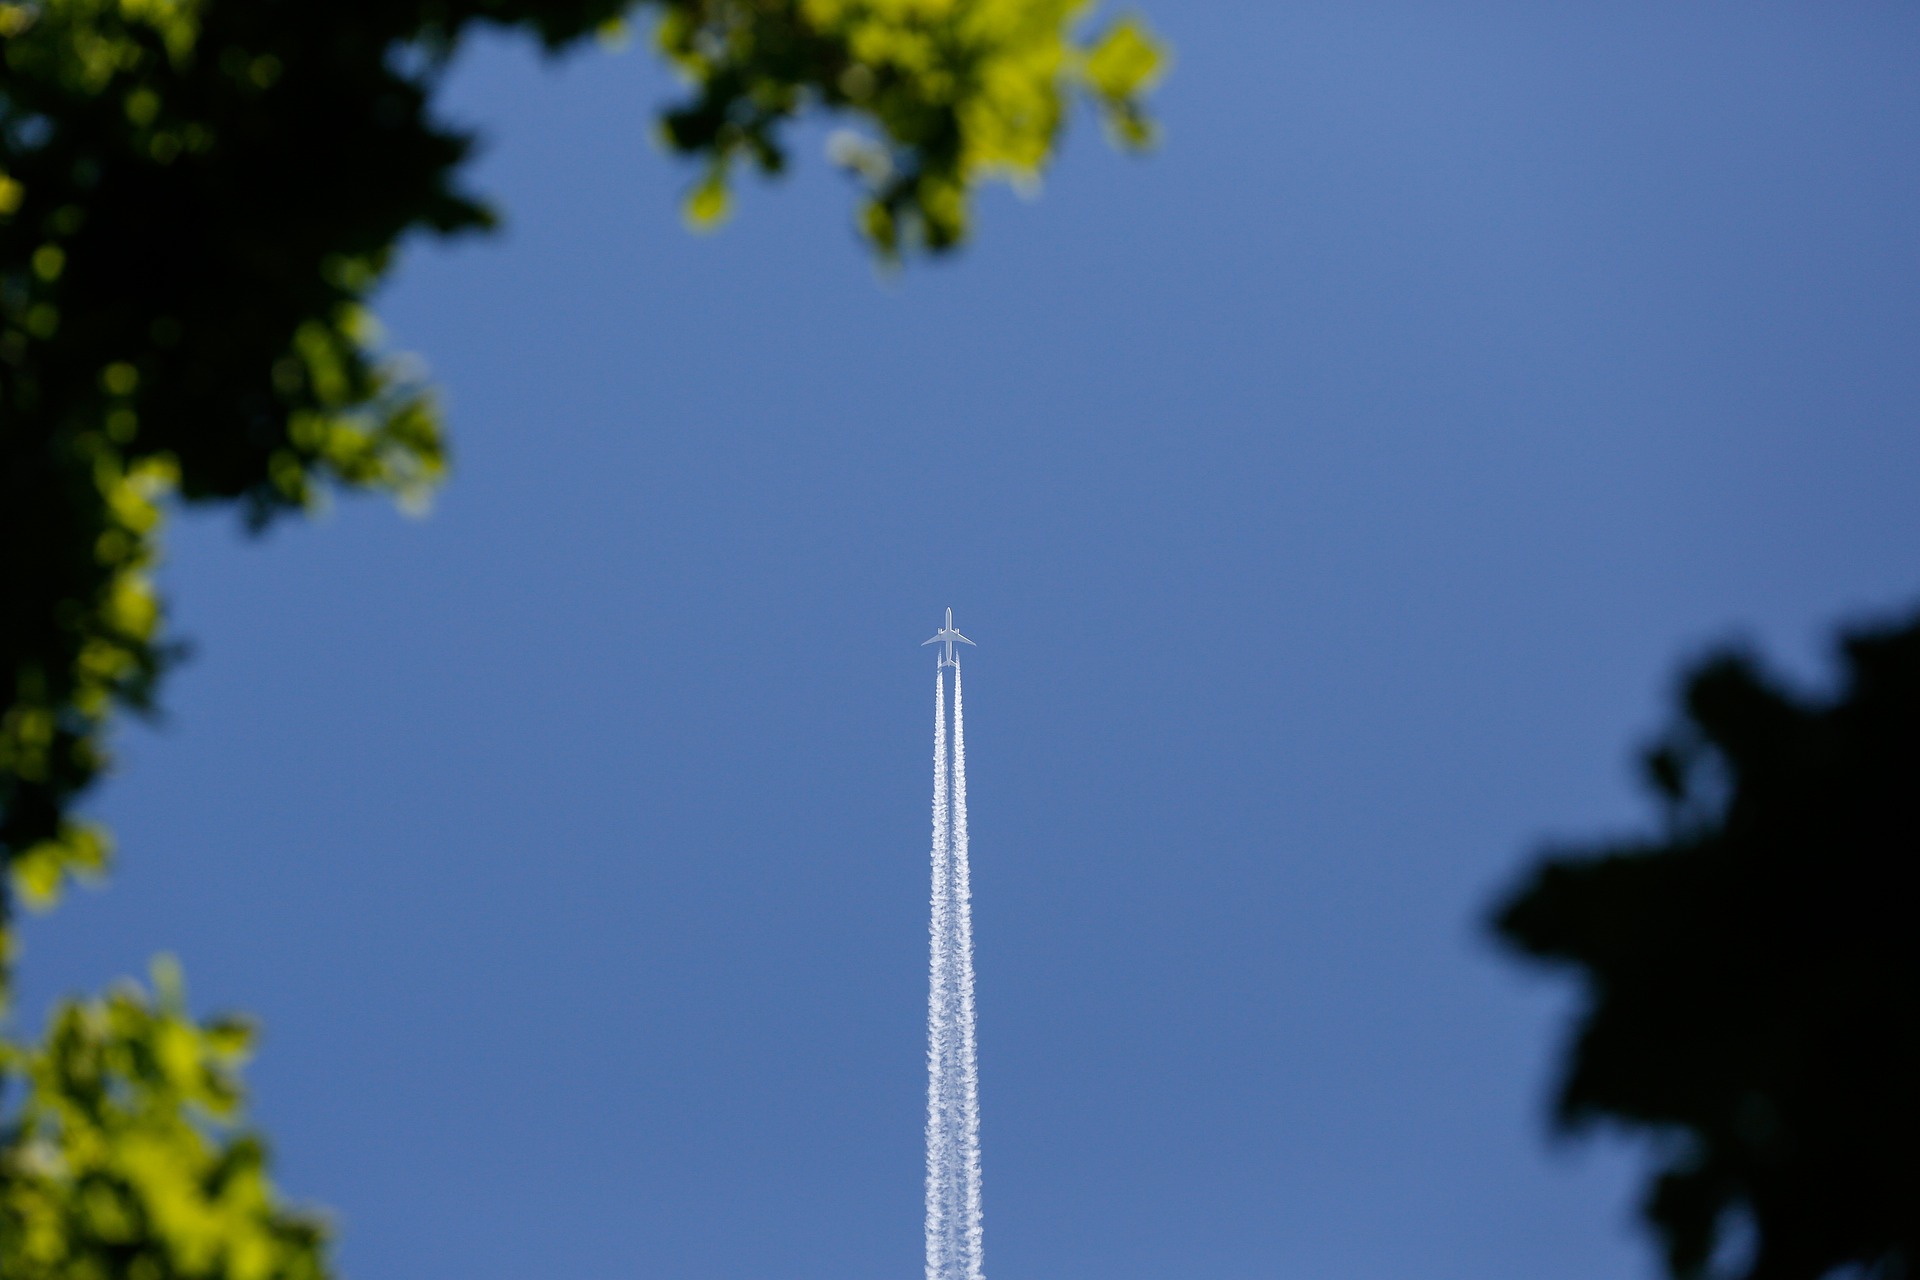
[(1753, 975), (196, 199), (126, 1157)]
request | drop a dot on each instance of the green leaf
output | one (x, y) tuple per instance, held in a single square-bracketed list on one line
[(80, 852)]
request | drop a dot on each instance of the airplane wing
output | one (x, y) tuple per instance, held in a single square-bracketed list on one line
[(963, 640), (936, 640)]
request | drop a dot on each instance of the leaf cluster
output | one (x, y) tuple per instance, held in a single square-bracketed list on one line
[(1753, 977), (194, 201), (951, 92), (124, 1155)]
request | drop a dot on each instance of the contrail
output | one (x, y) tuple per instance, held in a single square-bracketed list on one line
[(969, 1064), (940, 1250), (953, 1085)]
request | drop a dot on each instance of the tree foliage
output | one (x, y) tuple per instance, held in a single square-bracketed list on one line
[(197, 198), (127, 1157), (1753, 975)]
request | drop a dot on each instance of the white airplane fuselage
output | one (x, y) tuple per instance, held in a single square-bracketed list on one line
[(947, 637)]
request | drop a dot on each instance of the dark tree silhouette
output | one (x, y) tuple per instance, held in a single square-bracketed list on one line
[(1753, 976)]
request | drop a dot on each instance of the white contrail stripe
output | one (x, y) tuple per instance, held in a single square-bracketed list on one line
[(953, 1088), (969, 1067), (939, 1145)]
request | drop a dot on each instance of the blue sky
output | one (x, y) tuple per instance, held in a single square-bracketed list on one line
[(1333, 496)]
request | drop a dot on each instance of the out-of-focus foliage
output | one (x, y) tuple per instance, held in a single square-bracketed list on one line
[(952, 91), (198, 196), (123, 1154), (1753, 976)]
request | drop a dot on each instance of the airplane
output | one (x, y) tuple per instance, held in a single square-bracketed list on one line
[(947, 636)]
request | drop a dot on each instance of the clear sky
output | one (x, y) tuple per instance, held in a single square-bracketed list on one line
[(1333, 496)]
